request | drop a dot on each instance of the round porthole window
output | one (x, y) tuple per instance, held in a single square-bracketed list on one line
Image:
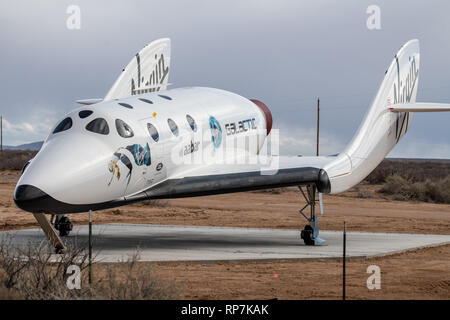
[(98, 125), (153, 132), (123, 129), (173, 127), (191, 123)]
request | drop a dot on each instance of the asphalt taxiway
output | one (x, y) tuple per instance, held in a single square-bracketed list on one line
[(117, 242)]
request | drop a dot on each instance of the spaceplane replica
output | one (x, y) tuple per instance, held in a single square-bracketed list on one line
[(143, 141)]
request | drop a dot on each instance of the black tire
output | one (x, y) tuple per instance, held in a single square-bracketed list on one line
[(307, 237), (63, 232), (64, 226)]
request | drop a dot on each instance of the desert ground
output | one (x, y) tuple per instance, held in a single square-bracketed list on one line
[(418, 274)]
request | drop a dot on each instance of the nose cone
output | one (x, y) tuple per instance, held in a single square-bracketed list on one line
[(30, 198), (71, 168)]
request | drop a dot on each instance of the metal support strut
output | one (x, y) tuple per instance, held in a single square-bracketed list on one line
[(50, 232), (310, 234)]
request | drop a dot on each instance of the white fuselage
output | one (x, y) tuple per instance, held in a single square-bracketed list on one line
[(78, 166)]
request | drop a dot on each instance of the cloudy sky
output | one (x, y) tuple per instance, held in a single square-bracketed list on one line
[(284, 53)]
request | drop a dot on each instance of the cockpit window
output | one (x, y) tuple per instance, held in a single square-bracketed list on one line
[(25, 166), (85, 113), (191, 122), (173, 127), (146, 100), (123, 129), (126, 105), (153, 132), (98, 125), (64, 125)]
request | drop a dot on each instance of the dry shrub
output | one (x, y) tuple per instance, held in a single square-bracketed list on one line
[(154, 203), (15, 159), (34, 272), (272, 190), (116, 212), (7, 293), (406, 189), (128, 280), (412, 170), (362, 193)]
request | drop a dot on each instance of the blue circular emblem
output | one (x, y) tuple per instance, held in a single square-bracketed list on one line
[(216, 132)]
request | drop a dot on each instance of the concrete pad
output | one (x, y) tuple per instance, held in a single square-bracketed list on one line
[(115, 242)]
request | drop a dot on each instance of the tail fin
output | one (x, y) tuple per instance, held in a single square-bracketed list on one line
[(381, 129), (148, 71)]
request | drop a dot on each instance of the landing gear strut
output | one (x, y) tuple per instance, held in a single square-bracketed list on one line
[(50, 232), (63, 225), (310, 234)]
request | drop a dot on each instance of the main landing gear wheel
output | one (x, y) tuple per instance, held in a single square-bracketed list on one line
[(63, 225), (311, 231), (307, 235)]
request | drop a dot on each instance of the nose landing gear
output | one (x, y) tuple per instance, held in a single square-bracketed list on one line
[(50, 232), (63, 225)]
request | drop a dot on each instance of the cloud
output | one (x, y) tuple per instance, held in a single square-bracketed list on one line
[(16, 133), (421, 149), (302, 141), (10, 128), (285, 53)]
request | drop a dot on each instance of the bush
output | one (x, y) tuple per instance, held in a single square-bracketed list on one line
[(15, 159), (127, 280), (412, 170), (428, 191), (272, 190), (31, 271), (154, 203), (362, 193), (36, 273), (6, 293)]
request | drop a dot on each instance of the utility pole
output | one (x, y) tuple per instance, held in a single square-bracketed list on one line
[(90, 247), (1, 133), (318, 122), (344, 244)]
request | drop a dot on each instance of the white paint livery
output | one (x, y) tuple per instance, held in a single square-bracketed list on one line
[(381, 129), (72, 165), (148, 71), (209, 141), (420, 107)]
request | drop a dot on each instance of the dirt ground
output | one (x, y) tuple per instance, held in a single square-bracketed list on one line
[(420, 274)]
